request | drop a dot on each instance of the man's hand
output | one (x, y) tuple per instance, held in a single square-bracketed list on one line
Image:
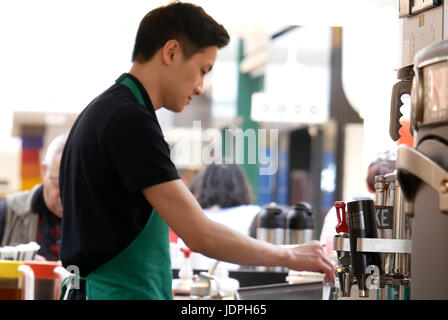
[(311, 257)]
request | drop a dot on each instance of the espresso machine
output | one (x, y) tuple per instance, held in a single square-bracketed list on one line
[(393, 224), (374, 247), (422, 171)]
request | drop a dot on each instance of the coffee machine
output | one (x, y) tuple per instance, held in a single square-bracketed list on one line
[(411, 204), (374, 248), (422, 171)]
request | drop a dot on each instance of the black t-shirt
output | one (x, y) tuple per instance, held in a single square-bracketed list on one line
[(114, 150)]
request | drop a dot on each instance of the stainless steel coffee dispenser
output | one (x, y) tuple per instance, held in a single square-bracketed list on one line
[(299, 224), (271, 225), (423, 173)]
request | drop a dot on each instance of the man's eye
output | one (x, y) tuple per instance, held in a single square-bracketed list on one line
[(203, 72)]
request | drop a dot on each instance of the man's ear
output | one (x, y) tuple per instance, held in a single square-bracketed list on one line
[(170, 51)]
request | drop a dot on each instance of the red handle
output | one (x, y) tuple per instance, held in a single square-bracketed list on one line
[(186, 252), (342, 226)]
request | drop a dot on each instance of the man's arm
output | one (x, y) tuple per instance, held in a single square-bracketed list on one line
[(180, 210)]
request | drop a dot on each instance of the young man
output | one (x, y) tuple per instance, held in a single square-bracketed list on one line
[(120, 190)]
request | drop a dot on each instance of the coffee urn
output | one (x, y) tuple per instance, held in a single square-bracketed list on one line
[(271, 224), (423, 173), (299, 224)]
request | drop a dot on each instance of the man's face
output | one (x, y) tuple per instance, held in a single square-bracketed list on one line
[(52, 196), (186, 78)]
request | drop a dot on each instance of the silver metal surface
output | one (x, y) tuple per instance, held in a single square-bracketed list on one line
[(299, 236), (284, 291), (341, 244), (274, 236), (374, 245), (416, 163), (380, 189), (391, 180), (399, 229), (429, 252), (385, 233), (384, 245)]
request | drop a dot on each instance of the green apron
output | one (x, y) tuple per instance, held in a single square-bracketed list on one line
[(143, 269)]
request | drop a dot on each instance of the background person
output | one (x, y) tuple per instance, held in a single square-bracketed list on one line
[(35, 214), (224, 193)]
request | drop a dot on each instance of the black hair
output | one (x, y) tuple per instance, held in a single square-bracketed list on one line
[(224, 185), (185, 22)]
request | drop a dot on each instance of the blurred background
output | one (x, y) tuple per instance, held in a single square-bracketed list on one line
[(319, 72)]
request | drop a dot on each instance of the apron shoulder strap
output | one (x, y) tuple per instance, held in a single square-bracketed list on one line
[(128, 82)]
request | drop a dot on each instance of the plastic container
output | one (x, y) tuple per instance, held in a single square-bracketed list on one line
[(182, 286), (47, 283), (16, 281), (228, 285)]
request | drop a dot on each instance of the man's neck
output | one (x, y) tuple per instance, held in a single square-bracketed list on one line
[(149, 77)]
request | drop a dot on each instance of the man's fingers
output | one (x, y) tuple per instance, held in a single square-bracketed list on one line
[(329, 269)]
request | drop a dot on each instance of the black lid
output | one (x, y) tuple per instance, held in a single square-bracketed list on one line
[(300, 216), (271, 217), (362, 221), (360, 205)]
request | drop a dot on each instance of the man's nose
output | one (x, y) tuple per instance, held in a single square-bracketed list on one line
[(198, 90)]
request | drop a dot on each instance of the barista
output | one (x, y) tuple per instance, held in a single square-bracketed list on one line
[(120, 191)]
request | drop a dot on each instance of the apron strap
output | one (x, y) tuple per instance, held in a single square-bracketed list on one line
[(67, 286), (128, 82)]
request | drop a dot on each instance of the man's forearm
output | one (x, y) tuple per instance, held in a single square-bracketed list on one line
[(180, 210), (223, 243)]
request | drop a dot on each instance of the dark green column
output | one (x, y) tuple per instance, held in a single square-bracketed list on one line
[(247, 85)]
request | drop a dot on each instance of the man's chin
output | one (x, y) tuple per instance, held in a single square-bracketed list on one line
[(177, 109)]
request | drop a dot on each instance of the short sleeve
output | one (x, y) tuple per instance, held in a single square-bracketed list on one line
[(135, 142)]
